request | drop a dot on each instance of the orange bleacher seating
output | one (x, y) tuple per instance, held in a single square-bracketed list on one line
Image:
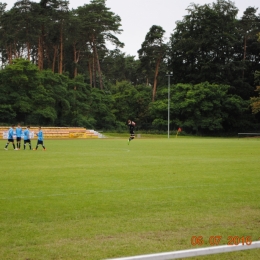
[(59, 132)]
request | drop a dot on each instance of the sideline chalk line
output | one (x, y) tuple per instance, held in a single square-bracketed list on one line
[(121, 190)]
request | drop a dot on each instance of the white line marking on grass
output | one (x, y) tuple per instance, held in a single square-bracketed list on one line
[(123, 190), (192, 252)]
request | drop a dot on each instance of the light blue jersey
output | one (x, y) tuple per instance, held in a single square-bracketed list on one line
[(10, 133), (40, 135), (19, 132), (26, 134)]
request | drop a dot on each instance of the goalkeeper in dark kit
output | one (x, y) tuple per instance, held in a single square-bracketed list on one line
[(131, 125)]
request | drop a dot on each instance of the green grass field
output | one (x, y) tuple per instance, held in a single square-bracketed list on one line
[(99, 199)]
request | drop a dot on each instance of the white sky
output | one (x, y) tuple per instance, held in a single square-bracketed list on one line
[(138, 16)]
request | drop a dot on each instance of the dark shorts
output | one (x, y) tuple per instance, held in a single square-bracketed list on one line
[(18, 139), (10, 140), (27, 141), (39, 142)]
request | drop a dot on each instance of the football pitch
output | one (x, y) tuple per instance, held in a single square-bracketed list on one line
[(102, 198)]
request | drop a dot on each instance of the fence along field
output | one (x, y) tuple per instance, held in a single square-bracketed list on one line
[(101, 198)]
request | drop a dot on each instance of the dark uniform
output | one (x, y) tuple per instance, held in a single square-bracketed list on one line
[(131, 125)]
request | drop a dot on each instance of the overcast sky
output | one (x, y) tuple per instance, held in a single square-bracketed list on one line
[(138, 16)]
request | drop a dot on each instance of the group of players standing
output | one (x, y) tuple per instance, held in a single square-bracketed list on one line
[(26, 137), (27, 140)]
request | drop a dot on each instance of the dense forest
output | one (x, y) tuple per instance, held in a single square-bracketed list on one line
[(56, 69)]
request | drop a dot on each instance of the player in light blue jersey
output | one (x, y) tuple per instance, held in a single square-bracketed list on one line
[(10, 138), (40, 139), (26, 138), (19, 132)]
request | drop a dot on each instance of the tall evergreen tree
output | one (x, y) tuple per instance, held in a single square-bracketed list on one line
[(98, 24), (249, 26), (152, 53)]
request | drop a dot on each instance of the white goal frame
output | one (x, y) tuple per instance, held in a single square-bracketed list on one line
[(193, 252)]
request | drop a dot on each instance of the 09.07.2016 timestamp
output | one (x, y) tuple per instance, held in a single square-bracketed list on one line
[(215, 240)]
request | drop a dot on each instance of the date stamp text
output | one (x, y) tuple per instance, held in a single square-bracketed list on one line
[(217, 240)]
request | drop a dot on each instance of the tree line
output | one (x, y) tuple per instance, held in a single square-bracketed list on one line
[(56, 69)]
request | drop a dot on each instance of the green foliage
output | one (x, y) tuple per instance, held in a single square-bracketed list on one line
[(18, 81), (123, 94), (6, 113), (255, 101), (201, 109), (46, 98), (131, 102), (101, 108), (210, 44), (118, 67), (44, 107), (55, 88)]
